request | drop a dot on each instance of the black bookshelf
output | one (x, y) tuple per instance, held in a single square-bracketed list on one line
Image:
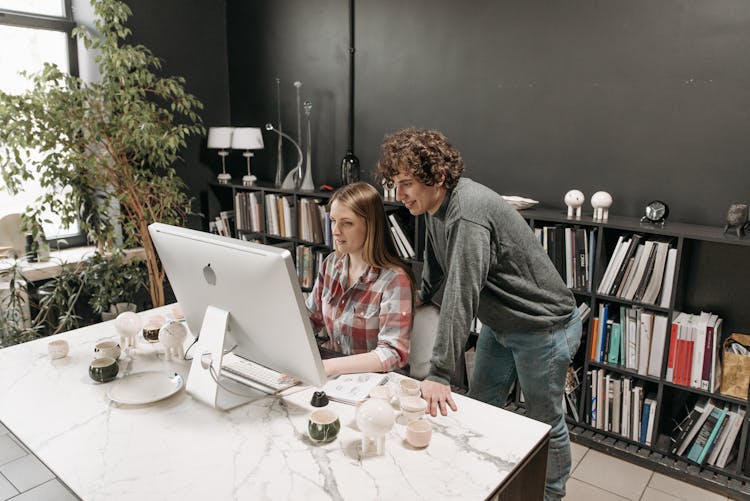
[(708, 276)]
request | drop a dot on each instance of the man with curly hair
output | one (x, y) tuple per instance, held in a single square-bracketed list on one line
[(492, 267)]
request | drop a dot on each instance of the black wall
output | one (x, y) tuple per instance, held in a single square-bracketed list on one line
[(643, 99), (190, 38)]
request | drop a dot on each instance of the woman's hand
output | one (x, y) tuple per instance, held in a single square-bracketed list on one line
[(438, 396)]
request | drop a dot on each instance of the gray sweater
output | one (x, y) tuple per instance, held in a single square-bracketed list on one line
[(492, 267)]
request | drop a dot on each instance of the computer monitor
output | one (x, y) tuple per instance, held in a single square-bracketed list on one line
[(239, 293)]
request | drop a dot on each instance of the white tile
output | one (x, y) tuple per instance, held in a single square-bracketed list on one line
[(26, 472), (577, 452), (52, 490), (612, 474), (652, 494), (9, 449), (6, 489), (581, 491), (682, 490)]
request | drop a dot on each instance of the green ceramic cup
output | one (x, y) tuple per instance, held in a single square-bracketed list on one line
[(323, 426), (103, 370)]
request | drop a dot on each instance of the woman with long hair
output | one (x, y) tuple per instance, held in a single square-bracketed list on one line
[(363, 293)]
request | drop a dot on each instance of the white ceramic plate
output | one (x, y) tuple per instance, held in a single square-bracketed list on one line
[(520, 203), (145, 387)]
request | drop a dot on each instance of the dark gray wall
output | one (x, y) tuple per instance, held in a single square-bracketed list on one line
[(294, 40), (643, 99), (190, 38)]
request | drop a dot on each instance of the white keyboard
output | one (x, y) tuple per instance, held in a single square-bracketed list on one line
[(254, 375)]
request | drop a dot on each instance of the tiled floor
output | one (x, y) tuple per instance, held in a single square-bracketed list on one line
[(23, 477), (599, 477), (595, 477)]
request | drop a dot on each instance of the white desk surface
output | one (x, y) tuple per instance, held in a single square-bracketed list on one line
[(181, 449)]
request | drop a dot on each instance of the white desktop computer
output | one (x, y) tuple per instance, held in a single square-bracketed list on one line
[(238, 296)]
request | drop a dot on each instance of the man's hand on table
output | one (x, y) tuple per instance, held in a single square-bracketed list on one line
[(438, 396)]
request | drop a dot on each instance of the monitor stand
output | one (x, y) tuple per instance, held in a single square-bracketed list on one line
[(205, 382)]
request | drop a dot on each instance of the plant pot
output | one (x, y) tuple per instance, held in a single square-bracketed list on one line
[(116, 309)]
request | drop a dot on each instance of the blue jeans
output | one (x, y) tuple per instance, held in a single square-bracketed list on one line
[(540, 360)]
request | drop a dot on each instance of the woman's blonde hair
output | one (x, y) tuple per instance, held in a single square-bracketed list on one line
[(365, 201)]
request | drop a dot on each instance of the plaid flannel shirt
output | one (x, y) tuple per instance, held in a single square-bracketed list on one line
[(375, 314)]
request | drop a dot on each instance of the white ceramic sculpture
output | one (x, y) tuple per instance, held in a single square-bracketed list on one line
[(128, 325), (601, 201), (574, 200), (375, 419), (172, 336)]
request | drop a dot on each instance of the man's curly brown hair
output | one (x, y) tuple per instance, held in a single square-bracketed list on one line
[(425, 154)]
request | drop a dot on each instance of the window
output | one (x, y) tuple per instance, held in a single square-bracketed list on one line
[(39, 31)]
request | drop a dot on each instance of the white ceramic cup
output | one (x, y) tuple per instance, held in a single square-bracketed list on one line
[(58, 348), (382, 392), (412, 407), (409, 387), (106, 349), (419, 433)]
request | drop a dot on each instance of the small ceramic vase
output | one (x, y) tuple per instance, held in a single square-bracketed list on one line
[(375, 419)]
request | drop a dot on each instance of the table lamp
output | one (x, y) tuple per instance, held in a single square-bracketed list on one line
[(220, 138), (247, 138)]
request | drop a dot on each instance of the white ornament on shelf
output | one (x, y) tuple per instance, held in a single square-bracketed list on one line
[(574, 200), (601, 201)]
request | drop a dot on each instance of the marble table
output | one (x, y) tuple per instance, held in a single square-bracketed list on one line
[(181, 449)]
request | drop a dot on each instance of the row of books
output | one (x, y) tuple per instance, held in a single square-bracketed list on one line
[(306, 220), (618, 405), (248, 208), (571, 250), (223, 224), (309, 261), (631, 337), (708, 434), (694, 357), (403, 243), (640, 270)]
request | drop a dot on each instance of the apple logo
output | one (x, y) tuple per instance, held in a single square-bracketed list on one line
[(209, 274)]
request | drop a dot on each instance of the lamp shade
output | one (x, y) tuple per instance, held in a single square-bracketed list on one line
[(219, 137), (247, 138)]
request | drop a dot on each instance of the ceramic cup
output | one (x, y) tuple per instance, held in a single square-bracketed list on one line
[(412, 408), (419, 433), (323, 425), (382, 392), (104, 369), (152, 328), (409, 387), (107, 349), (57, 348)]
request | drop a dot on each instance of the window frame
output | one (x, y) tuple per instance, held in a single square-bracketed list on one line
[(64, 24)]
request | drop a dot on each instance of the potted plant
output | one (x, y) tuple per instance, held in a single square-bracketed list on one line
[(113, 284), (106, 143)]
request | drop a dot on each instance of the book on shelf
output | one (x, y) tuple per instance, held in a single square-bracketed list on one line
[(616, 405), (647, 420), (644, 340), (353, 388), (669, 276), (627, 276), (658, 342), (706, 435), (729, 448), (694, 427), (649, 268), (631, 276), (639, 271), (626, 413), (629, 253), (613, 265), (718, 443), (654, 285), (401, 237)]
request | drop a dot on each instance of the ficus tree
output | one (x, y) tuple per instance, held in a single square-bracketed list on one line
[(97, 145)]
